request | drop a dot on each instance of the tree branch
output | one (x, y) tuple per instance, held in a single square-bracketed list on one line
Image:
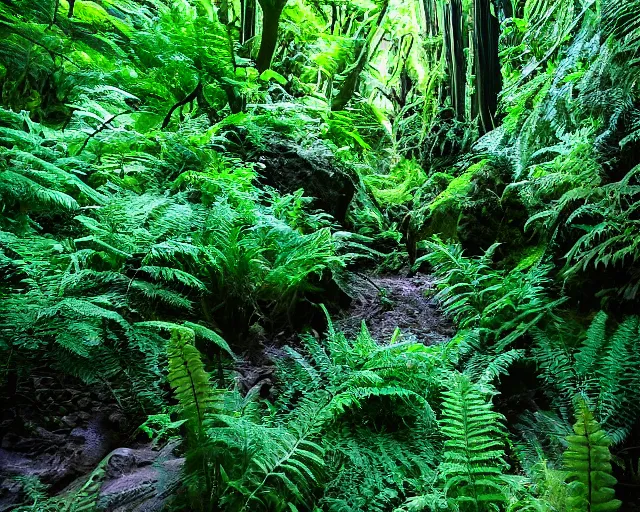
[(101, 128), (192, 96)]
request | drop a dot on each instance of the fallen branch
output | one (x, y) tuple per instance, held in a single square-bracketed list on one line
[(181, 103), (101, 128)]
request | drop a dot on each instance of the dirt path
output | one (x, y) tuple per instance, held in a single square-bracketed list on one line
[(387, 302)]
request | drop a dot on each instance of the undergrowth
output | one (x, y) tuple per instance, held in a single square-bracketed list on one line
[(182, 192)]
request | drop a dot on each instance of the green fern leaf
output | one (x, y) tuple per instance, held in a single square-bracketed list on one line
[(587, 459)]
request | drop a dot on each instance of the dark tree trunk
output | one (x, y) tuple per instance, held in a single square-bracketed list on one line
[(488, 78), (248, 20), (431, 17), (334, 18), (271, 12), (223, 12), (454, 44), (506, 9)]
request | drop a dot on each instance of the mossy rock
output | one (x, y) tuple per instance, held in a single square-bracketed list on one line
[(289, 167), (446, 210), (399, 185), (472, 210)]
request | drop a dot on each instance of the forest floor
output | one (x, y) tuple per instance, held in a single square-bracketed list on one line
[(396, 301), (71, 430)]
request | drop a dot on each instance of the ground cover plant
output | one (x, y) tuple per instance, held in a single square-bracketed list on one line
[(210, 211)]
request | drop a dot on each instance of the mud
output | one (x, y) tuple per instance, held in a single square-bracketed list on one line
[(387, 302)]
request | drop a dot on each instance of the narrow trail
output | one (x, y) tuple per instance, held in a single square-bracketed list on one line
[(388, 302)]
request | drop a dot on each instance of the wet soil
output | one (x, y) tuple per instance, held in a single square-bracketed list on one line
[(385, 303)]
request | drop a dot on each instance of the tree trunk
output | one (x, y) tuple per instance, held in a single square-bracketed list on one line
[(270, 21), (248, 20), (350, 84), (223, 12), (334, 18), (454, 44), (506, 9), (488, 78), (431, 17)]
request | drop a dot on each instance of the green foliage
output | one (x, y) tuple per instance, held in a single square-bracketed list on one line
[(499, 306), (189, 381), (471, 473), (372, 464), (248, 454), (609, 238), (565, 139), (603, 367), (159, 427), (133, 209), (473, 460), (548, 494), (398, 186), (587, 461)]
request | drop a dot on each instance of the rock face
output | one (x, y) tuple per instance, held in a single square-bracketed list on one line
[(140, 480), (65, 434), (54, 458), (289, 167), (136, 479)]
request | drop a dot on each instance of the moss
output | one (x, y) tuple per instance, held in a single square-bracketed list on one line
[(456, 192), (399, 185), (446, 211), (530, 256)]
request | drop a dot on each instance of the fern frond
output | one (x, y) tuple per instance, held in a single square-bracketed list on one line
[(587, 460), (189, 380), (473, 461)]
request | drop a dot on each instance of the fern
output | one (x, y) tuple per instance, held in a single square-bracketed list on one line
[(371, 467), (473, 459), (82, 499), (189, 380), (587, 461), (502, 306), (603, 368), (190, 383), (282, 463), (608, 241)]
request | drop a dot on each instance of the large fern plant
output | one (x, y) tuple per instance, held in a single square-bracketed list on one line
[(604, 367), (372, 464), (498, 307), (245, 454)]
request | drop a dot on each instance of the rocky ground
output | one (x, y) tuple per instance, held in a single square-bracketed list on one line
[(56, 433), (385, 303)]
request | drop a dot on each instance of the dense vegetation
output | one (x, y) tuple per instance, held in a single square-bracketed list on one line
[(181, 180)]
